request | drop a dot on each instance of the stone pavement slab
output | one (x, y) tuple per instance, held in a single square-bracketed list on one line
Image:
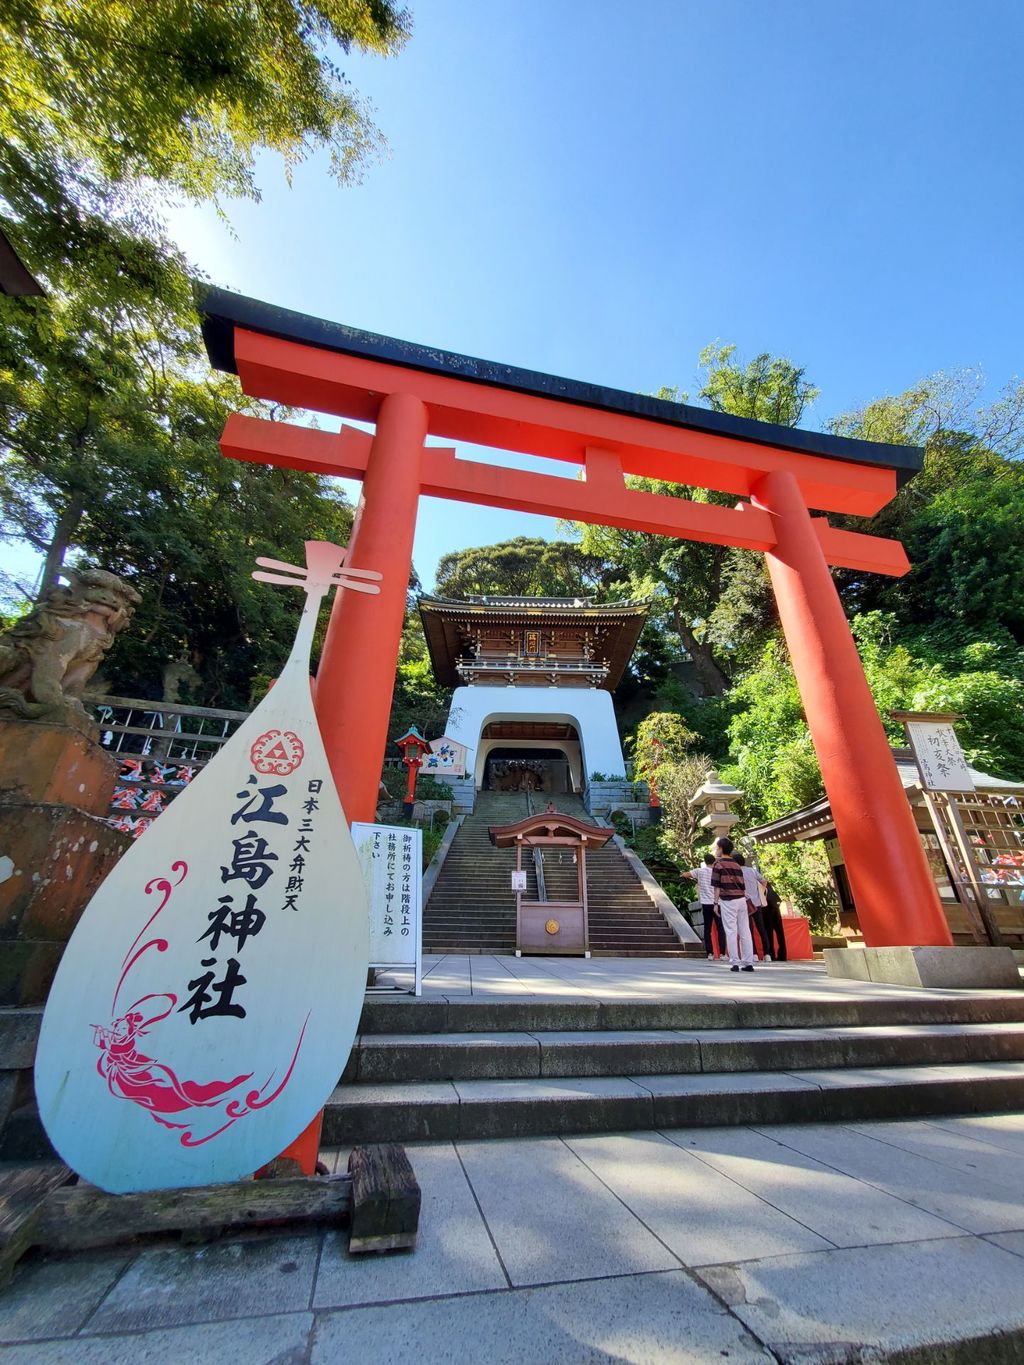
[(900, 1296), (836, 1206), (1001, 1130), (281, 1340), (231, 1279), (551, 1218), (969, 1155), (385, 1057), (608, 1101), (496, 976), (565, 1250), (1009, 1241), (622, 1052), (454, 1254), (636, 1320), (55, 1298), (700, 1215), (966, 1200)]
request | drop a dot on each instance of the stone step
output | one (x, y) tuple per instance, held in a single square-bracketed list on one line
[(530, 1014), (441, 1110), (679, 951), (633, 1052)]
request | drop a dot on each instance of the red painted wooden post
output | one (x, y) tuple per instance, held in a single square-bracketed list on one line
[(892, 884), (356, 678)]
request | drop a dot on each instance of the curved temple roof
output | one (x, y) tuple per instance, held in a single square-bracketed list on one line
[(447, 621), (223, 311)]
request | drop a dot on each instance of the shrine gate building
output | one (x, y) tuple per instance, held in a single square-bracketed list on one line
[(534, 678)]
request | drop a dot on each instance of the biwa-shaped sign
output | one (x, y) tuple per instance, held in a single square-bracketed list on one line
[(209, 997)]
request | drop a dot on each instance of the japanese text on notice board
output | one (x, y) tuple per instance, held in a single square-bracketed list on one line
[(391, 859)]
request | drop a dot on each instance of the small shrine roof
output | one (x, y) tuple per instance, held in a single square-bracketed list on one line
[(549, 824), (448, 621), (562, 605)]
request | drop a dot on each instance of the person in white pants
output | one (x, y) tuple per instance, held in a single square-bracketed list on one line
[(731, 898)]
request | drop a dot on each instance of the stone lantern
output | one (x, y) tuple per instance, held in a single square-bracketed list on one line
[(716, 798)]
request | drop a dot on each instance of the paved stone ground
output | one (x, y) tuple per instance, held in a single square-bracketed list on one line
[(795, 1244), (688, 980)]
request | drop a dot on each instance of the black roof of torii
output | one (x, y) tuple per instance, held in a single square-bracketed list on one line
[(222, 311)]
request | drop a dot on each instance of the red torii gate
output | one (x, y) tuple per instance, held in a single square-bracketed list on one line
[(410, 392)]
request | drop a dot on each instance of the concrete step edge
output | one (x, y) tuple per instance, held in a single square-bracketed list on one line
[(485, 1109)]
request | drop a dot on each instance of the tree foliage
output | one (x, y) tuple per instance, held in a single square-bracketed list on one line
[(960, 518), (109, 111), (712, 600), (523, 567), (112, 95)]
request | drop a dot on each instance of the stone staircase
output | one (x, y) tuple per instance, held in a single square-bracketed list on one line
[(479, 1068), (472, 908)]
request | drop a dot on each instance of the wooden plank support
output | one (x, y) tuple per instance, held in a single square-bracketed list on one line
[(80, 1217), (385, 1199), (23, 1196), (379, 1197)]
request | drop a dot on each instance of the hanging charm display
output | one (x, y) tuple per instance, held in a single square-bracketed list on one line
[(207, 1001)]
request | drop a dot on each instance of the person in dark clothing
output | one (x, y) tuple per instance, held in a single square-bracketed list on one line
[(772, 915)]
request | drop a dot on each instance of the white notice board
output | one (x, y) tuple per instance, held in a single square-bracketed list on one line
[(940, 759), (391, 857)]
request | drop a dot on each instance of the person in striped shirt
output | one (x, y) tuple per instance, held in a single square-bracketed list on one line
[(730, 894)]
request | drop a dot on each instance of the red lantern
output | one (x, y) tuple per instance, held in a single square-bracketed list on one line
[(413, 747)]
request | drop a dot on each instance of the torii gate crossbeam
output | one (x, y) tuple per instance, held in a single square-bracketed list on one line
[(410, 392)]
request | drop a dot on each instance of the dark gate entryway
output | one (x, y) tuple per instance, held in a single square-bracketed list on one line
[(538, 770)]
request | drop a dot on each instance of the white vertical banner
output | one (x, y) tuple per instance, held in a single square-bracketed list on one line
[(391, 857)]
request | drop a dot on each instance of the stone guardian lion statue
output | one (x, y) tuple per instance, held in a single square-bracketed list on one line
[(48, 656)]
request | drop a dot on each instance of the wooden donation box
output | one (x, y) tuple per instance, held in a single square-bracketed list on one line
[(557, 924)]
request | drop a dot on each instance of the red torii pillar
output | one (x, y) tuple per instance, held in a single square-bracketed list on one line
[(356, 678), (876, 827)]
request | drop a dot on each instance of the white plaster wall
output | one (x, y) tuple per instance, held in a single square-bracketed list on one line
[(588, 709)]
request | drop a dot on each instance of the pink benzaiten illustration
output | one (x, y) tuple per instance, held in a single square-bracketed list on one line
[(130, 1075), (201, 1110)]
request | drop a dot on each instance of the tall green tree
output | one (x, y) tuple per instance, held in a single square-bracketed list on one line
[(107, 107), (523, 567), (960, 518), (714, 601), (110, 111)]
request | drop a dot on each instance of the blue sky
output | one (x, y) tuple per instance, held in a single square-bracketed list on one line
[(599, 190)]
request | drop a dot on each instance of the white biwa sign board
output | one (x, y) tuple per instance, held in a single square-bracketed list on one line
[(391, 857), (209, 997)]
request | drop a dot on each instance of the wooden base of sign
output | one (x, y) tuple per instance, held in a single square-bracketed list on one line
[(379, 1199)]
